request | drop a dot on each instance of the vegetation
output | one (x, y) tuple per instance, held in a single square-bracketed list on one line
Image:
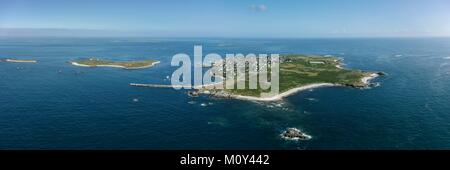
[(94, 62)]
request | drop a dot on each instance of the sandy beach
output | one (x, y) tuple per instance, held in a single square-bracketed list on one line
[(284, 94)]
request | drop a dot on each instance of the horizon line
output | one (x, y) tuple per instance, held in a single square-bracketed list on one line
[(112, 33)]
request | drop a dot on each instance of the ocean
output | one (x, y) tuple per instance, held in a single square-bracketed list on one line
[(55, 105)]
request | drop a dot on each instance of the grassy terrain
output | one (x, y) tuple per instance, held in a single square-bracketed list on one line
[(300, 70), (126, 64)]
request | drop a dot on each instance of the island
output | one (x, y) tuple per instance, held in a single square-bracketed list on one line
[(95, 62), (19, 61), (297, 73), (294, 134)]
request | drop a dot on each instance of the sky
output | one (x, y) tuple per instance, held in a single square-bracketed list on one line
[(226, 18)]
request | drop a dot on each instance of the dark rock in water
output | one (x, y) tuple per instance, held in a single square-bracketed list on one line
[(193, 93), (221, 94), (294, 134)]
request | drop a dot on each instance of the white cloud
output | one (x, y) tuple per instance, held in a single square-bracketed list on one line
[(259, 8)]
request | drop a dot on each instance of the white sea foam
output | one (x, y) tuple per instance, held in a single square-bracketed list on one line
[(311, 99), (367, 79)]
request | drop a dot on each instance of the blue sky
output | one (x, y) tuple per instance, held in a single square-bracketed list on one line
[(227, 18)]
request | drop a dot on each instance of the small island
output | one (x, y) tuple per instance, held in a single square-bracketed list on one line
[(95, 62), (297, 73), (19, 61), (294, 134)]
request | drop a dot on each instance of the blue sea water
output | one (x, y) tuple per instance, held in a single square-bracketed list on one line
[(54, 105)]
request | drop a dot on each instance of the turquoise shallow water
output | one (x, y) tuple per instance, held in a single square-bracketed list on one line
[(54, 105)]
